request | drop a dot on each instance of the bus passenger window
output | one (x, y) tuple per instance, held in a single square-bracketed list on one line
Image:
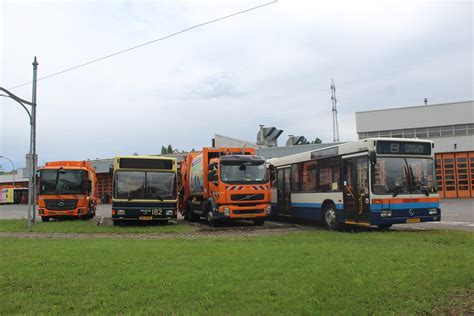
[(310, 176)]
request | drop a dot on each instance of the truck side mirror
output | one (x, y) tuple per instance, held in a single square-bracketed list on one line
[(89, 186)]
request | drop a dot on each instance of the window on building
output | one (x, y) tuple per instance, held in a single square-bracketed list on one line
[(409, 133), (385, 134), (397, 134), (421, 132), (447, 131), (372, 134), (460, 129), (470, 129), (434, 132)]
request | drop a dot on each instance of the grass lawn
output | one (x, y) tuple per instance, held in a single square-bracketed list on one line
[(79, 226), (298, 273)]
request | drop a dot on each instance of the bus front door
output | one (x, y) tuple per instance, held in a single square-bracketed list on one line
[(356, 189), (283, 191)]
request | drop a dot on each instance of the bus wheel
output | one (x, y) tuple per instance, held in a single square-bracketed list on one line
[(384, 226), (330, 217), (45, 219), (258, 222)]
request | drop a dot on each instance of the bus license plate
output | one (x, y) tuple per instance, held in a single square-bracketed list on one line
[(413, 220), (145, 218), (248, 215)]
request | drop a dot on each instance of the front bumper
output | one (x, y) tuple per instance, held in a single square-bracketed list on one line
[(77, 212), (405, 216), (232, 211)]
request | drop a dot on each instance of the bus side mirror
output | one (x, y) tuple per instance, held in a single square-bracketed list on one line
[(111, 169), (373, 157), (271, 169)]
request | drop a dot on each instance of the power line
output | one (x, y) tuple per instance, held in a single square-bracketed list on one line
[(147, 43)]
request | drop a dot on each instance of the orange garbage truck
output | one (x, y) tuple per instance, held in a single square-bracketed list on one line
[(224, 183), (67, 189)]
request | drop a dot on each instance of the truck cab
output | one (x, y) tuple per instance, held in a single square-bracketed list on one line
[(225, 184), (67, 190)]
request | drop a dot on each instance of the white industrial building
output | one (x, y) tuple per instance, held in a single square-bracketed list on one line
[(449, 125)]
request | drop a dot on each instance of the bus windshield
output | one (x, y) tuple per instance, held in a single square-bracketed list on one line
[(243, 172), (145, 185), (399, 175), (62, 181)]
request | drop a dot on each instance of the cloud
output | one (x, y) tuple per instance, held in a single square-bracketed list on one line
[(271, 66)]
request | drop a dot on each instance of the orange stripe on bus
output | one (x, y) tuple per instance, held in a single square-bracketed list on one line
[(406, 200)]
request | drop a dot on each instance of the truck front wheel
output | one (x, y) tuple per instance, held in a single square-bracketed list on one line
[(45, 219)]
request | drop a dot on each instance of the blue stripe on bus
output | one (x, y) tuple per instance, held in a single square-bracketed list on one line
[(400, 206), (314, 205)]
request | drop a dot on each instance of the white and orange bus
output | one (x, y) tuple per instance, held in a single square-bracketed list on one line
[(376, 181)]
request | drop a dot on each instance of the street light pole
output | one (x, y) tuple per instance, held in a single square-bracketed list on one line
[(33, 142), (32, 160), (14, 169)]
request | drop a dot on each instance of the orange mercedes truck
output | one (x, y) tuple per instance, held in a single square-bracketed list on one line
[(224, 183), (67, 190)]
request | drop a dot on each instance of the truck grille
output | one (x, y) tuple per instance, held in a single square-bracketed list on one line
[(247, 211), (61, 205), (246, 197)]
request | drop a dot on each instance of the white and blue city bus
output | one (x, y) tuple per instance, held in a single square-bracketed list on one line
[(375, 181)]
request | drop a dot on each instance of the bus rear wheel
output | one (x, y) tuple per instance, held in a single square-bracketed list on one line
[(330, 217), (45, 219)]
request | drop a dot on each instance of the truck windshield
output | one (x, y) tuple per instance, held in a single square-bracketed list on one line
[(62, 181), (243, 172), (145, 185), (397, 175)]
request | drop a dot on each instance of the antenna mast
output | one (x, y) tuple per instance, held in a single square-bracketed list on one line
[(335, 127)]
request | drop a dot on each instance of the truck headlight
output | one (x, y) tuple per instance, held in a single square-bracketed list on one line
[(386, 213), (226, 211), (169, 212), (433, 211), (268, 209)]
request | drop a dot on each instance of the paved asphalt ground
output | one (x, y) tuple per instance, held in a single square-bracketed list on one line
[(455, 214)]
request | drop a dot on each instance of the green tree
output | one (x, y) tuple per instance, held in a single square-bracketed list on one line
[(163, 150), (170, 149)]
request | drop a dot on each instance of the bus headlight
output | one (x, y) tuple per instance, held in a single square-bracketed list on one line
[(268, 209), (226, 211), (433, 211), (386, 213), (169, 212), (120, 212)]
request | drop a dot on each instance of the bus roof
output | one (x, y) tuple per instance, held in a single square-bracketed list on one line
[(342, 149)]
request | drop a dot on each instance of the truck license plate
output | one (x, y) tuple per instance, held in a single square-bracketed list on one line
[(413, 220), (145, 218), (248, 215)]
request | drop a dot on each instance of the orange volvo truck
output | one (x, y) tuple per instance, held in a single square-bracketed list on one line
[(67, 190), (224, 183)]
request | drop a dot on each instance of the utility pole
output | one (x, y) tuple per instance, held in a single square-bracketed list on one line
[(33, 144), (335, 127)]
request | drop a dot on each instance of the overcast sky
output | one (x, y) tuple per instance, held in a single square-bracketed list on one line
[(272, 66)]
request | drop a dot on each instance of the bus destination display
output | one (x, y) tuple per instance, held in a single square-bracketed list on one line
[(405, 148), (138, 163)]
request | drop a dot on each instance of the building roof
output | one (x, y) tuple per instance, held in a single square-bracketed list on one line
[(415, 117), (277, 152)]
